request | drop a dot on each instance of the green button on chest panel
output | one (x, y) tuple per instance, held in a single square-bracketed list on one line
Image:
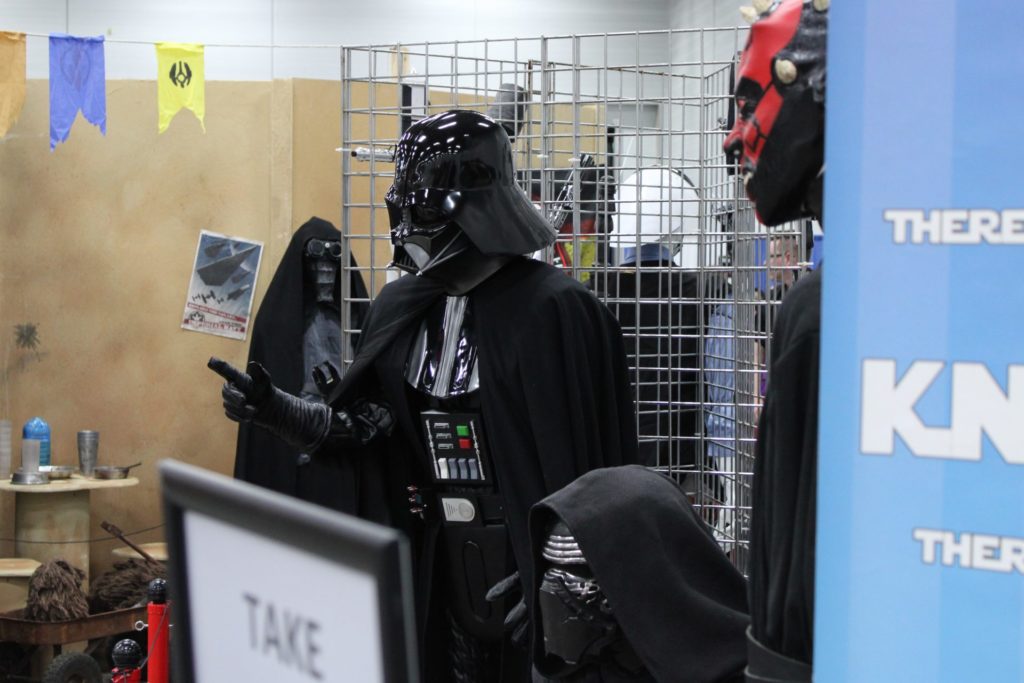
[(455, 445)]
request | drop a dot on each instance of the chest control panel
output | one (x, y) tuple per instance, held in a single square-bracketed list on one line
[(456, 444)]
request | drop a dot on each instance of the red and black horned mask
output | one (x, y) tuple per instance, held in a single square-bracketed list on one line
[(778, 138)]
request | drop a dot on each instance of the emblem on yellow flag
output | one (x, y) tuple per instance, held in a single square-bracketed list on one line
[(181, 81)]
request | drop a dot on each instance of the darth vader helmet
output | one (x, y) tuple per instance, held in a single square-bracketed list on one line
[(455, 199), (779, 133)]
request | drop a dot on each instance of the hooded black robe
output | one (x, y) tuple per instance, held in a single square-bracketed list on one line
[(678, 599), (554, 395), (277, 343), (785, 480)]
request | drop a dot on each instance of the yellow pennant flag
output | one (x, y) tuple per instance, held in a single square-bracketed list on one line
[(12, 78), (181, 81)]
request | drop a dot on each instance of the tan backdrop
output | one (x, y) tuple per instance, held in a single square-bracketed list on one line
[(96, 249)]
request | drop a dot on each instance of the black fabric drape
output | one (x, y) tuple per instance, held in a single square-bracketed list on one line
[(785, 480), (277, 343), (679, 600), (656, 305)]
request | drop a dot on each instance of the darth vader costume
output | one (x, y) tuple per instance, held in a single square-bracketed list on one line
[(482, 382), (632, 586), (297, 328), (778, 144)]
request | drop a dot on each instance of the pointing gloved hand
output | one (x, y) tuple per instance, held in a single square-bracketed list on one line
[(517, 620), (252, 397)]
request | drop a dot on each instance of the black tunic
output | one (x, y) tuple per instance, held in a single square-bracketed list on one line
[(678, 599), (656, 305), (277, 343), (554, 395), (785, 480)]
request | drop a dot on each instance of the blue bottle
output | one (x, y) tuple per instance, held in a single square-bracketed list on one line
[(37, 428)]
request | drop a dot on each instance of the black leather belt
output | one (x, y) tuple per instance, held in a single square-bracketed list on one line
[(459, 507)]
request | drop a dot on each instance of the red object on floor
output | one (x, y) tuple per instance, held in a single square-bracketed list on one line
[(159, 630)]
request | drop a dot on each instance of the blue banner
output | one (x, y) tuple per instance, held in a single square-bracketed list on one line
[(77, 82), (920, 550)]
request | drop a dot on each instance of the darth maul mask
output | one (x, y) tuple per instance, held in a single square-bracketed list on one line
[(778, 137)]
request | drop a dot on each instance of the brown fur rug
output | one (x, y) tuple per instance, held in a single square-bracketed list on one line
[(124, 586), (55, 593)]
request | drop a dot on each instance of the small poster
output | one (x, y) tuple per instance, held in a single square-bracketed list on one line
[(223, 279)]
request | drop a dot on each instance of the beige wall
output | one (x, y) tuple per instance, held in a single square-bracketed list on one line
[(97, 242)]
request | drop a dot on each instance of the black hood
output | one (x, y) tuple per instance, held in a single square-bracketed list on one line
[(679, 600)]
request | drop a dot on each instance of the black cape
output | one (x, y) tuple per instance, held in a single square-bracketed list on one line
[(554, 393), (661, 335), (277, 343), (554, 387), (679, 600), (785, 480)]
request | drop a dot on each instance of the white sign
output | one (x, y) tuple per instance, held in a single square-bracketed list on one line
[(265, 611)]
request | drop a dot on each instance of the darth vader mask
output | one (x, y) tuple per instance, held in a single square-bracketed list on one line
[(454, 198)]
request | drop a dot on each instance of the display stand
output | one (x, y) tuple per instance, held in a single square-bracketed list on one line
[(52, 521)]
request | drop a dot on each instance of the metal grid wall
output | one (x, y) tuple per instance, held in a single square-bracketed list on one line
[(621, 149)]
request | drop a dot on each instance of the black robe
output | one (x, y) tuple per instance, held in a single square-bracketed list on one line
[(554, 394), (678, 599), (656, 303), (277, 343), (785, 480)]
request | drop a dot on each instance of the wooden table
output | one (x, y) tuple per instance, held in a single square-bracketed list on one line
[(157, 550), (52, 520)]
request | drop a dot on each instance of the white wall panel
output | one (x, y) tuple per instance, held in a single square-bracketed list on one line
[(695, 14), (320, 22)]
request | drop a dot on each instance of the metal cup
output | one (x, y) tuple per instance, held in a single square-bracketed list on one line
[(5, 449), (30, 455), (88, 451)]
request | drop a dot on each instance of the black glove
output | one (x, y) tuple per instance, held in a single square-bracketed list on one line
[(517, 620), (253, 398), (304, 424), (363, 421)]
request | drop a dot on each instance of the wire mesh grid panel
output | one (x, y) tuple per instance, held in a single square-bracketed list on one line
[(619, 146)]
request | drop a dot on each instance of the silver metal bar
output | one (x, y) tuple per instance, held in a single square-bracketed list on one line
[(666, 114), (347, 353)]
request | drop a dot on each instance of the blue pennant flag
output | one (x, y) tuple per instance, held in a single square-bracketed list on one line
[(77, 81)]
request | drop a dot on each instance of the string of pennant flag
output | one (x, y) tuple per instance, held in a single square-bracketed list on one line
[(78, 82)]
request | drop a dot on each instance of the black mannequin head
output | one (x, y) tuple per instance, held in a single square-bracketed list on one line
[(577, 623), (321, 260)]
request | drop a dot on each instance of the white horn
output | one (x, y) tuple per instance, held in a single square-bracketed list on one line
[(785, 70)]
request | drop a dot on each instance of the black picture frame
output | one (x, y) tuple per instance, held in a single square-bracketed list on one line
[(351, 542)]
